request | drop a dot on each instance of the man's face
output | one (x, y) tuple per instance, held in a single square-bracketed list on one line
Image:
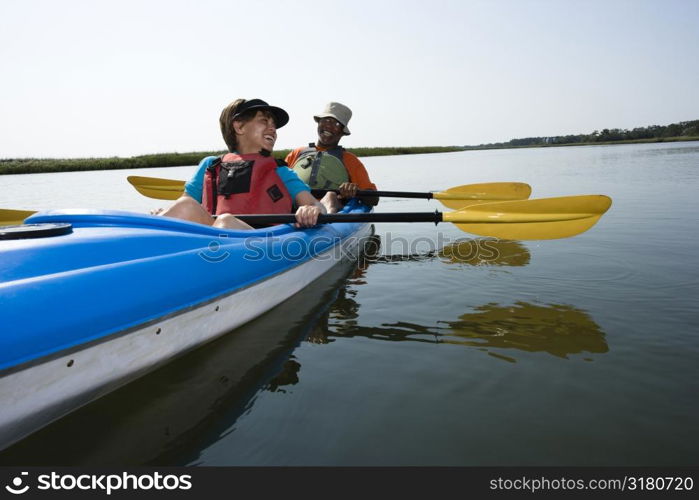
[(329, 132)]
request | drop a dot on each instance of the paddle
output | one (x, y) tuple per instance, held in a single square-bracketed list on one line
[(13, 217), (455, 197), (539, 219), (154, 187), (458, 196)]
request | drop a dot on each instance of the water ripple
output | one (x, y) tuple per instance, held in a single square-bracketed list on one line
[(612, 268)]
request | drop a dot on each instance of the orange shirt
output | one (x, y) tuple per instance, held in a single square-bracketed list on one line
[(355, 169)]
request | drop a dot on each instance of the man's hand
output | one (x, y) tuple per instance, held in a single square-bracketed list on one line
[(348, 190)]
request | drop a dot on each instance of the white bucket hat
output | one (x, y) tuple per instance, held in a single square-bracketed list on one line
[(338, 111)]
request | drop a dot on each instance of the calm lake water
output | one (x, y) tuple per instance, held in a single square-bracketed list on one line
[(581, 351)]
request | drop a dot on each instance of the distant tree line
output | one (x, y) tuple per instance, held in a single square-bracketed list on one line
[(653, 132)]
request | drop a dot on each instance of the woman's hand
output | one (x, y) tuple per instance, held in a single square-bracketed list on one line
[(307, 215), (309, 209)]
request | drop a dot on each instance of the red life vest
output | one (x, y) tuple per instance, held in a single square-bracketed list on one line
[(245, 184)]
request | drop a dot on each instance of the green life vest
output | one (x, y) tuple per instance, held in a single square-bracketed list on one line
[(321, 169)]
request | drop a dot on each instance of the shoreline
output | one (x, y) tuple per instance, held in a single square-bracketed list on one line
[(601, 143), (159, 160)]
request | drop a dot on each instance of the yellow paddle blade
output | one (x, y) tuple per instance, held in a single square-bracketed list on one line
[(539, 219), (470, 194), (153, 187), (13, 217)]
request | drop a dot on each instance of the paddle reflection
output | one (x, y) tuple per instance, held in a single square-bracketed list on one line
[(556, 329), (560, 330), (469, 251), (484, 251)]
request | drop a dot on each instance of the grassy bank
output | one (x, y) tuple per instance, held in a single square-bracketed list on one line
[(37, 165), (597, 143)]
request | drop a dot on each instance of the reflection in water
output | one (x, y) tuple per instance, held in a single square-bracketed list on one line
[(471, 251), (556, 329), (288, 375), (485, 251), (559, 330)]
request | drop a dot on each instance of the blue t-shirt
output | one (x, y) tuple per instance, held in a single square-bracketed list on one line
[(195, 186)]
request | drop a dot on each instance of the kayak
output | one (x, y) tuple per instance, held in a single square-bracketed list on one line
[(91, 300), (155, 418)]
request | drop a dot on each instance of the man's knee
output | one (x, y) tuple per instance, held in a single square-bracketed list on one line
[(331, 202)]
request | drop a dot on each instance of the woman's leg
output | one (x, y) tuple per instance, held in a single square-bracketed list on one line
[(229, 221), (187, 208)]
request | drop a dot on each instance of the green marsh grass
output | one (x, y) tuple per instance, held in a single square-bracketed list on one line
[(40, 165)]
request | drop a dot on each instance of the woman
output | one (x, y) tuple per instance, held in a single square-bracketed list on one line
[(247, 179)]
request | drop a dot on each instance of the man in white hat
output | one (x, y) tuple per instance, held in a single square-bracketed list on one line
[(327, 165)]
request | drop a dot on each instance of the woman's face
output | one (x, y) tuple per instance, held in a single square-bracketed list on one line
[(256, 134)]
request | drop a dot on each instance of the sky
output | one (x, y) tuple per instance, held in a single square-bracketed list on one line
[(102, 78)]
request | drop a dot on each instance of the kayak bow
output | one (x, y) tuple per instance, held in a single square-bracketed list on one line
[(117, 294)]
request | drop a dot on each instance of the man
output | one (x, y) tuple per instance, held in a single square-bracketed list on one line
[(327, 165)]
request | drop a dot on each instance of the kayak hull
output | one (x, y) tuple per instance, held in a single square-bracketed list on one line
[(74, 351)]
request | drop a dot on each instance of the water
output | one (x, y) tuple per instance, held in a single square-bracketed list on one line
[(582, 351)]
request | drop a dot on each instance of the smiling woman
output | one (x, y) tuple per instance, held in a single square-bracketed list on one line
[(246, 180), (237, 116)]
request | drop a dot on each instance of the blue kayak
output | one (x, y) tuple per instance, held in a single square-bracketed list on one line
[(93, 299)]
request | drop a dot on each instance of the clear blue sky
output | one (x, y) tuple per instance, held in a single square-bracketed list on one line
[(119, 78)]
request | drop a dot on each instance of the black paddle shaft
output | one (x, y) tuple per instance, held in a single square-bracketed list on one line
[(369, 192), (435, 217)]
